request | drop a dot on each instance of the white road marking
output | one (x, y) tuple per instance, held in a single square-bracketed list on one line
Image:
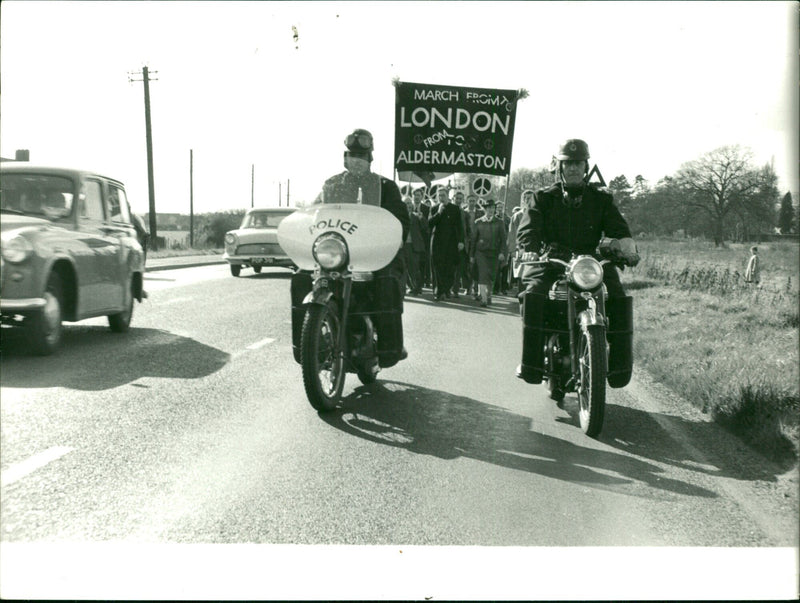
[(28, 466), (260, 344)]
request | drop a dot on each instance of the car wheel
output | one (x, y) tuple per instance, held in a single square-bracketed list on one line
[(121, 321), (235, 269), (256, 269), (45, 326)]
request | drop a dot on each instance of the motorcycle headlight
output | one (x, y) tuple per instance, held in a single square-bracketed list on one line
[(230, 239), (17, 249), (586, 273), (330, 251)]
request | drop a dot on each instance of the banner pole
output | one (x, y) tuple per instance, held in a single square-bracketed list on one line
[(505, 196)]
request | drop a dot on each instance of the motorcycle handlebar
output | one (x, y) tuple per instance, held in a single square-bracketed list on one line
[(548, 261)]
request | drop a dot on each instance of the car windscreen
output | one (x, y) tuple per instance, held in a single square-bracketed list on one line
[(264, 219), (40, 195)]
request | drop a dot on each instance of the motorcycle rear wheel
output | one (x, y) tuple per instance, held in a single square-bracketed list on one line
[(592, 363), (321, 358)]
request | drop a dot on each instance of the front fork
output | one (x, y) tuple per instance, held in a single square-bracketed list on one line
[(321, 293), (347, 288), (594, 314)]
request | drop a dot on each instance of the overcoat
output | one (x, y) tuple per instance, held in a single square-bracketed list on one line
[(447, 231), (488, 242)]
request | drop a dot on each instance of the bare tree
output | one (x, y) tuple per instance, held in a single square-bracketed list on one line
[(721, 183)]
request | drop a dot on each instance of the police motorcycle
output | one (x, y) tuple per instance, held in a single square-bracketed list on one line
[(338, 246), (576, 338)]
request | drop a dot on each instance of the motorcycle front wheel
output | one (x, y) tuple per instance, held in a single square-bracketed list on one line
[(321, 359), (592, 379)]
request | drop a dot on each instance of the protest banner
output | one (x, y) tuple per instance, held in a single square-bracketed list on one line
[(441, 130)]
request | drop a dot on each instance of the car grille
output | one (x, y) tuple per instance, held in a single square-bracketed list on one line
[(260, 249)]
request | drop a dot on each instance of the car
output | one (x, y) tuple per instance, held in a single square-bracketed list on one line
[(255, 242), (69, 251)]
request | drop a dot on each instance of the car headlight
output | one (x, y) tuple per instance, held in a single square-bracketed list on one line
[(230, 239), (586, 273), (17, 249), (330, 251)]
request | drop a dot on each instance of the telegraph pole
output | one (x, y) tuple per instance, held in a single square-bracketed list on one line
[(288, 182), (191, 198), (252, 183), (149, 137)]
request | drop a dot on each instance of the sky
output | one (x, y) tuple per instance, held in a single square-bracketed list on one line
[(649, 85)]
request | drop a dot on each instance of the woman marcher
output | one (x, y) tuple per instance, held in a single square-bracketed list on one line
[(488, 250)]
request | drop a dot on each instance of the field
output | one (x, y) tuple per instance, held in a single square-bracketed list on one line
[(728, 347)]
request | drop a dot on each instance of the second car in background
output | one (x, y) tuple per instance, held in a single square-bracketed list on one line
[(255, 243)]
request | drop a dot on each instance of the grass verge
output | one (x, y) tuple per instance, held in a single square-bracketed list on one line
[(729, 348), (174, 253)]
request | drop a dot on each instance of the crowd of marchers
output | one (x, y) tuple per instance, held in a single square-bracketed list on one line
[(461, 245)]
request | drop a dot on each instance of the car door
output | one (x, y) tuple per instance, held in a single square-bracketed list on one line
[(121, 226), (98, 269)]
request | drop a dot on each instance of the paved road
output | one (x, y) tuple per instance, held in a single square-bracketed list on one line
[(193, 429)]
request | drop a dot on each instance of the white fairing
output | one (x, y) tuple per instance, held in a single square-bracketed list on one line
[(373, 235)]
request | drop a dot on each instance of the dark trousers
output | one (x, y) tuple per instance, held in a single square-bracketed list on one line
[(444, 274), (501, 282), (425, 265), (464, 272), (414, 260)]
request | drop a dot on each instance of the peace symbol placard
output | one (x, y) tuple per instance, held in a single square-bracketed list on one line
[(481, 187), (432, 193)]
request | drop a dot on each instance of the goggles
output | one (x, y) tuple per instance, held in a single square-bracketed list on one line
[(358, 141)]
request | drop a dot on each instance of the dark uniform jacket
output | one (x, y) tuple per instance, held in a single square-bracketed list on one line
[(375, 190), (576, 229)]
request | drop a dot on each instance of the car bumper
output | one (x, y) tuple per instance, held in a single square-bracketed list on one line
[(8, 306), (258, 260)]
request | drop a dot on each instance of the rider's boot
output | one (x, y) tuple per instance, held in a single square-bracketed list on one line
[(532, 309), (619, 311)]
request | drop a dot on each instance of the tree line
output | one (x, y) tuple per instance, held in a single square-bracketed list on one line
[(721, 196)]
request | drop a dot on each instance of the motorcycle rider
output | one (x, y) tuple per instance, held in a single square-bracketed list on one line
[(361, 185), (570, 217)]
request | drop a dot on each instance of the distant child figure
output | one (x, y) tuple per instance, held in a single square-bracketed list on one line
[(753, 272)]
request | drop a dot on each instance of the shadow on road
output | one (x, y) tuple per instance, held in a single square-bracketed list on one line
[(636, 432), (92, 358), (447, 426)]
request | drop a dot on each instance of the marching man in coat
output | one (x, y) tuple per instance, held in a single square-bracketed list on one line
[(447, 240)]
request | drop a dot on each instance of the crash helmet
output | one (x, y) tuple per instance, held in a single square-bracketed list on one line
[(359, 144), (573, 149)]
